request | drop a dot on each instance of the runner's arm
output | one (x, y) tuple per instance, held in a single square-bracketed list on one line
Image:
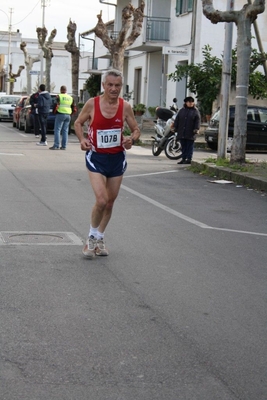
[(128, 141), (85, 115)]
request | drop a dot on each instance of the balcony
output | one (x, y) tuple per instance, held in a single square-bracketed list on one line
[(155, 34), (88, 64), (157, 29)]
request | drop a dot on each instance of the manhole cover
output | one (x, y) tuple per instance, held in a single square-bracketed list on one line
[(41, 238)]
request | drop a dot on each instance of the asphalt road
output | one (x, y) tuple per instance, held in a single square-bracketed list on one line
[(176, 312)]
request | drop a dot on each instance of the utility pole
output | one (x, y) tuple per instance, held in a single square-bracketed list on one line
[(8, 52), (226, 85), (43, 5)]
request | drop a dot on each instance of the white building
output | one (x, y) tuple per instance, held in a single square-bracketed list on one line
[(61, 63), (174, 32)]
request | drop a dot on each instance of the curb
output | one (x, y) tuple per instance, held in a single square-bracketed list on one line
[(241, 178)]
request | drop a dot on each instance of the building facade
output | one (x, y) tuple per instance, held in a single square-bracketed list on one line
[(174, 32), (60, 70)]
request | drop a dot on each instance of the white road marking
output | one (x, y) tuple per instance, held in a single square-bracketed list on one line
[(11, 154), (151, 173), (185, 217)]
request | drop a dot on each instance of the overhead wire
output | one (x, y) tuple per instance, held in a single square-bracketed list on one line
[(17, 23)]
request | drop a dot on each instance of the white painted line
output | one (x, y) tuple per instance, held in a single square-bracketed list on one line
[(165, 208), (11, 154), (151, 173), (184, 217)]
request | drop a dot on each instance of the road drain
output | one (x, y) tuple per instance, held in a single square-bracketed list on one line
[(39, 238)]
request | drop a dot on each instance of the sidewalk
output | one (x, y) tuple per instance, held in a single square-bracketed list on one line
[(256, 180)]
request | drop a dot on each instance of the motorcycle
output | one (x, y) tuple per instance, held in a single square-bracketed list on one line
[(166, 138)]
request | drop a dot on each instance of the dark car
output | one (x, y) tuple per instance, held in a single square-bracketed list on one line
[(26, 118), (17, 110), (256, 128)]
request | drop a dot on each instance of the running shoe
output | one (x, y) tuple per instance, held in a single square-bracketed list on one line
[(101, 248), (90, 247)]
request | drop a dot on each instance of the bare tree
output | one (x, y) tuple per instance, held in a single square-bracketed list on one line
[(72, 48), (29, 61), (132, 22), (14, 76), (46, 46), (2, 76), (243, 19)]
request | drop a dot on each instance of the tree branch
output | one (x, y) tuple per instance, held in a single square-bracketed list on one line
[(216, 16), (102, 32), (137, 24), (71, 45)]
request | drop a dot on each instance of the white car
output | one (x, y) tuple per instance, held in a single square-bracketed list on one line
[(7, 105)]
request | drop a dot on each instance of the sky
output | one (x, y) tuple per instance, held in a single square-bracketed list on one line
[(28, 15)]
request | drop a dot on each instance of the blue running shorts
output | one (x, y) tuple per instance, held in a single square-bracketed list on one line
[(109, 165)]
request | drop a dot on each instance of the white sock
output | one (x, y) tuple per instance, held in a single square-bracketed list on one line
[(92, 232), (100, 235)]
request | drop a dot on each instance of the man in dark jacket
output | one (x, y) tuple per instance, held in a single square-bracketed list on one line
[(186, 124), (33, 103), (44, 105)]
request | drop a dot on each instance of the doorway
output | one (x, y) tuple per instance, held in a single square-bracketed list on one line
[(137, 85)]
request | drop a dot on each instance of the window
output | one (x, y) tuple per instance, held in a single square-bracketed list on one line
[(263, 115), (183, 6)]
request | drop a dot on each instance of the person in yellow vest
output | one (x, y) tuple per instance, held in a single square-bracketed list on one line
[(64, 108)]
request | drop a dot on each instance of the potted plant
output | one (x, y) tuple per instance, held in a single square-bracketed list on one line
[(139, 109), (152, 111)]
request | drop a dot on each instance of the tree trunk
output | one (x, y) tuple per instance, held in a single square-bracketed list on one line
[(48, 53), (72, 48), (238, 151), (29, 61), (132, 22), (14, 76), (243, 19)]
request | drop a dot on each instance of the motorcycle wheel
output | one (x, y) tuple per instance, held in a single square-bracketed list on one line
[(173, 149), (156, 150)]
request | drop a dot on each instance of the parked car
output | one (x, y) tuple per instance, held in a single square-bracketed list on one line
[(17, 110), (256, 128), (7, 105), (26, 118)]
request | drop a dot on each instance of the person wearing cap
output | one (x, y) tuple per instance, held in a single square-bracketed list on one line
[(186, 124)]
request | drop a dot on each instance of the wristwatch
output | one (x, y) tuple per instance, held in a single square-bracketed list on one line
[(133, 142)]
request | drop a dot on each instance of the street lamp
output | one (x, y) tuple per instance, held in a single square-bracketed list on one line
[(9, 45)]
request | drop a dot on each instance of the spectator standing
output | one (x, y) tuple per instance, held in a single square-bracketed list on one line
[(64, 108), (44, 105), (34, 112), (187, 124), (105, 153)]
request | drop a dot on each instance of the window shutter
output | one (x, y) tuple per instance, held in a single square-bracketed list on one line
[(178, 7), (190, 5)]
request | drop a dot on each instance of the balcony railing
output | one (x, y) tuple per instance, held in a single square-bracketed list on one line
[(88, 64), (157, 29)]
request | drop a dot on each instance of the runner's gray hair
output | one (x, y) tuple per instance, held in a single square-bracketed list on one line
[(113, 72)]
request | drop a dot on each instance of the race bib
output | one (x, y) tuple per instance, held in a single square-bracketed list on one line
[(108, 138)]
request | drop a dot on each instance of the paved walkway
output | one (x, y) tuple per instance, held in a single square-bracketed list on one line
[(256, 180)]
